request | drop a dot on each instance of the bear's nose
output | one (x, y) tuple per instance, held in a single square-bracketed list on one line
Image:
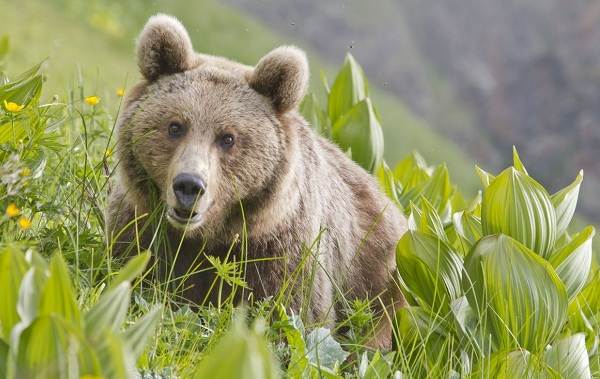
[(188, 188)]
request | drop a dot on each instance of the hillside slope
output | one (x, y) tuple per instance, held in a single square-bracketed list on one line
[(93, 43)]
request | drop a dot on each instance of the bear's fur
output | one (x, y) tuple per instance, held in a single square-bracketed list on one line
[(292, 205)]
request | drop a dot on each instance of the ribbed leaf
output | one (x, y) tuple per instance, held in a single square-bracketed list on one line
[(136, 336), (430, 221), (430, 269), (43, 349), (516, 205), (358, 130), (517, 162), (57, 295), (116, 361), (565, 202), (412, 171), (134, 268), (574, 260), (522, 300), (109, 313), (485, 177), (388, 183), (568, 357), (349, 88), (12, 270), (242, 354), (468, 230)]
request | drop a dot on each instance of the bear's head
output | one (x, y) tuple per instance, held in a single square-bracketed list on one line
[(203, 132)]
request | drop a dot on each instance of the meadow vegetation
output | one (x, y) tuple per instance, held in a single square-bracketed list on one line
[(498, 283)]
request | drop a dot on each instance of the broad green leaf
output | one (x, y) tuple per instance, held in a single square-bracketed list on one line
[(358, 129), (241, 353), (485, 177), (315, 116), (323, 351), (517, 162), (412, 171), (29, 294), (516, 205), (522, 300), (438, 189), (430, 221), (24, 89), (3, 357), (134, 268), (57, 295), (430, 269), (349, 88), (569, 358), (12, 270), (574, 260), (379, 367), (468, 230), (388, 183), (136, 336), (43, 349), (565, 202), (109, 313), (519, 364), (116, 361)]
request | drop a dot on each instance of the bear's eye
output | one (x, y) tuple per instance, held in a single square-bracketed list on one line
[(226, 140), (176, 129)]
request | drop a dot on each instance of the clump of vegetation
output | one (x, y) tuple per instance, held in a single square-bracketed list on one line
[(496, 285)]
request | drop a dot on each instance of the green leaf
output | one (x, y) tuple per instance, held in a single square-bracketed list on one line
[(349, 88), (574, 260), (134, 268), (43, 349), (3, 357), (24, 89), (565, 202), (242, 353), (568, 357), (412, 171), (116, 361), (109, 313), (380, 366), (387, 182), (522, 300), (485, 177), (136, 336), (516, 205), (468, 230), (323, 351), (438, 189), (57, 296), (359, 130), (430, 221), (315, 116), (12, 270), (517, 162), (430, 269)]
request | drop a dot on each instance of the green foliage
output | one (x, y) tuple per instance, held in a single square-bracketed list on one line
[(529, 307)]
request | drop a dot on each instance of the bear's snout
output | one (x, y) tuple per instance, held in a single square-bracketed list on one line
[(188, 189)]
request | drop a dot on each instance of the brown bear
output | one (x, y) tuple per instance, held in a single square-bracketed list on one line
[(218, 150)]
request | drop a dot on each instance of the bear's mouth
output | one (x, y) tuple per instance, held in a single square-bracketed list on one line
[(183, 216)]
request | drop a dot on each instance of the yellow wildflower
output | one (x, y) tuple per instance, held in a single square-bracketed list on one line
[(26, 171), (24, 223), (92, 100), (120, 91), (90, 377), (13, 107), (108, 153), (12, 210)]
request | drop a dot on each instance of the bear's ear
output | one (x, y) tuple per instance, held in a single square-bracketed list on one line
[(164, 47), (282, 75)]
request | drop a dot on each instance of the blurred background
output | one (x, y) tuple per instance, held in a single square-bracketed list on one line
[(460, 81)]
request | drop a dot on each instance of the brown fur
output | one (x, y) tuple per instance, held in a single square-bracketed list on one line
[(286, 182)]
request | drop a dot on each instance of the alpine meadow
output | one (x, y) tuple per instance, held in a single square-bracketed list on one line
[(500, 275)]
